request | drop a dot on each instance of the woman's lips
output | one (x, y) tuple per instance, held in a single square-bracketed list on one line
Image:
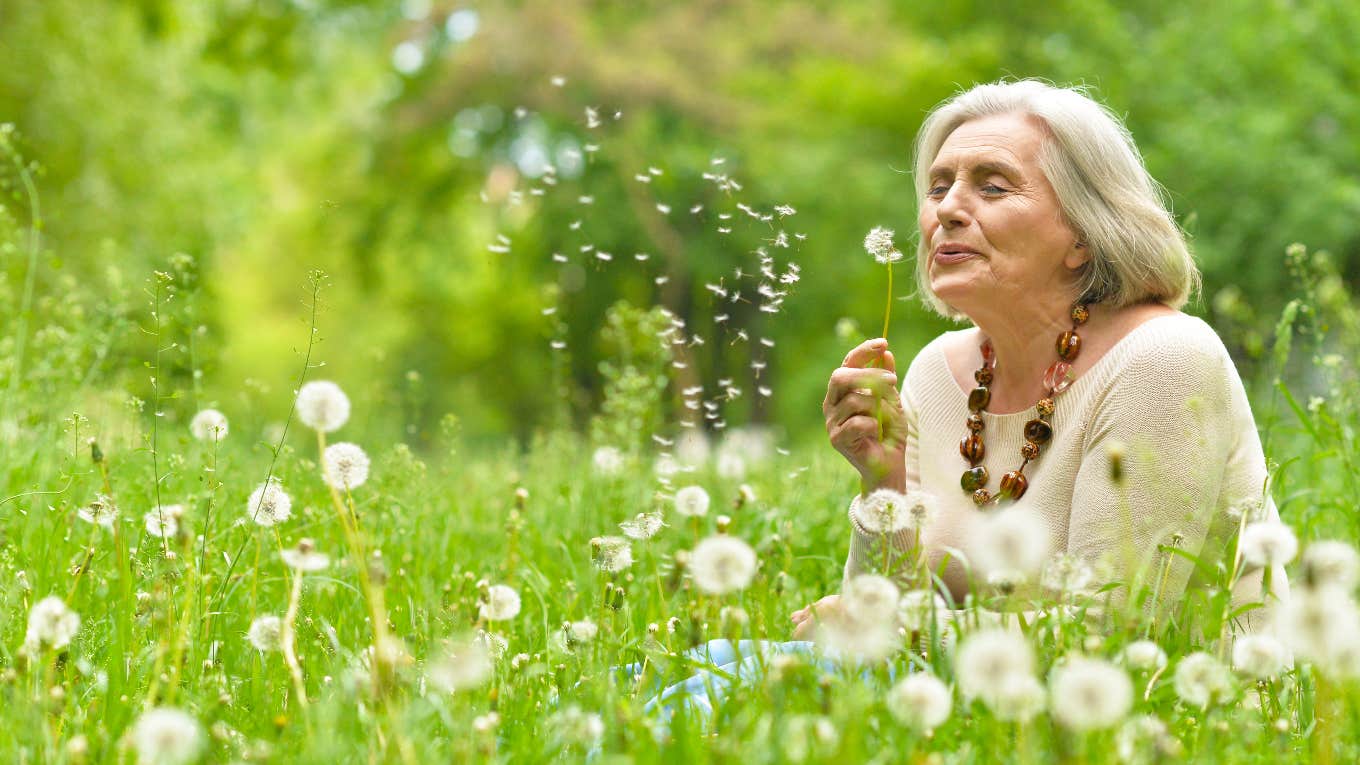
[(947, 258)]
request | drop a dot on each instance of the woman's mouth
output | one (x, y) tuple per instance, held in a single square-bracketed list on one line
[(953, 253)]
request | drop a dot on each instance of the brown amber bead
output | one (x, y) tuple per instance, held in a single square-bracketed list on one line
[(1068, 345), (1045, 407), (982, 497), (974, 478), (1013, 485), (1080, 314), (979, 398), (1029, 451), (988, 353), (972, 449), (975, 423), (983, 376), (1038, 432)]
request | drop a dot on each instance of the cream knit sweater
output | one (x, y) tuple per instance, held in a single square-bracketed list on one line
[(1167, 391)]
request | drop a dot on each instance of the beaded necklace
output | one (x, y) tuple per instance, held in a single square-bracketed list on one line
[(1038, 431)]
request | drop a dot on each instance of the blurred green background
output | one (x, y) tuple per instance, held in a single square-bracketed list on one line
[(391, 143)]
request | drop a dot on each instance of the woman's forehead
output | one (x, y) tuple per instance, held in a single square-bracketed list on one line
[(1007, 139)]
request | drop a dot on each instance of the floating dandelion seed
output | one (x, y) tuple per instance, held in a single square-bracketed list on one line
[(266, 633), (1201, 680), (209, 425), (920, 701), (501, 603), (611, 554), (692, 502), (163, 522), (1260, 656), (1090, 694), (51, 624), (166, 736), (322, 406), (101, 512), (1268, 543), (466, 664), (269, 504), (592, 117), (642, 526), (558, 81), (345, 465), (304, 558), (722, 564)]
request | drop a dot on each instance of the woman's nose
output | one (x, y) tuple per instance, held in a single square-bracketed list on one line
[(952, 210)]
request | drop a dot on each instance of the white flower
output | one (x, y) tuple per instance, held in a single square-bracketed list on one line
[(265, 633), (496, 646), (1144, 656), (1320, 625), (921, 701), (166, 736), (304, 558), (51, 624), (869, 598), (1201, 680), (268, 504), (578, 632), (879, 243), (608, 460), (1268, 543), (502, 603), (1144, 740), (917, 609), (465, 664), (101, 512), (345, 465), (692, 447), (1330, 564), (611, 554), (163, 522), (692, 501), (576, 727), (322, 406), (1090, 694), (987, 660), (1260, 656), (731, 466), (1067, 574), (722, 564), (886, 511), (807, 735), (1011, 546), (642, 526), (666, 466), (209, 425), (1016, 698)]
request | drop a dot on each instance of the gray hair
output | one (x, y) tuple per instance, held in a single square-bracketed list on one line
[(1137, 252)]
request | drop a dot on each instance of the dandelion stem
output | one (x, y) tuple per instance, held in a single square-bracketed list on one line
[(286, 638), (887, 308)]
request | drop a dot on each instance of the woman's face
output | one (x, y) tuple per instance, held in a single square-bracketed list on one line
[(993, 227)]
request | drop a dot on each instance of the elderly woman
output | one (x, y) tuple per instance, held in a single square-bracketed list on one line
[(1081, 393)]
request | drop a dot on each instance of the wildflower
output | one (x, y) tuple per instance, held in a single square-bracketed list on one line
[(870, 598), (1330, 564), (304, 558), (1201, 680), (573, 726), (345, 466), (464, 665), (987, 661), (1090, 694), (1319, 624), (1144, 739), (51, 624), (1067, 574), (1268, 543), (101, 512), (879, 243), (722, 564), (642, 526), (692, 501), (611, 554), (1260, 656), (608, 460), (576, 633), (917, 608), (920, 701), (166, 736), (268, 504), (1016, 698), (886, 511), (322, 406), (731, 466), (163, 522), (1011, 545), (265, 633), (209, 425), (501, 603), (495, 645), (1144, 656)]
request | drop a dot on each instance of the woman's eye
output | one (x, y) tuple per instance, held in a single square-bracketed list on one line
[(992, 188), (936, 191)]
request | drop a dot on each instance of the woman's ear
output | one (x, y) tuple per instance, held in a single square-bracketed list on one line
[(1078, 255)]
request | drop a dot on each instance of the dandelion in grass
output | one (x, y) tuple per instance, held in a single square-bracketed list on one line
[(879, 243), (51, 624), (500, 603), (265, 633), (166, 736), (721, 564), (692, 502), (101, 512), (607, 460), (1330, 564), (1144, 740), (345, 465), (885, 511), (1067, 574), (920, 701), (1011, 546), (865, 626), (731, 466), (1090, 694), (1017, 698), (163, 522), (1268, 543), (988, 659), (642, 526), (1320, 625), (269, 505), (464, 665), (918, 608), (575, 727), (611, 554), (1144, 656), (322, 406), (806, 735), (209, 425), (304, 558), (870, 598), (1201, 680), (574, 634), (495, 645), (1260, 656)]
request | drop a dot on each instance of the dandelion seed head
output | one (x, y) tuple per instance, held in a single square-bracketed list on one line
[(465, 664), (1268, 543), (163, 522), (1144, 656), (265, 633), (611, 554), (608, 460), (322, 406), (1090, 694), (500, 603), (916, 610), (1201, 680), (1011, 545), (51, 624), (101, 512), (1144, 740), (870, 598), (692, 502), (209, 425), (879, 243), (1260, 656), (920, 701), (642, 526), (987, 659), (304, 558), (575, 727), (721, 564), (1331, 563), (885, 511), (1320, 625), (269, 505), (166, 736)]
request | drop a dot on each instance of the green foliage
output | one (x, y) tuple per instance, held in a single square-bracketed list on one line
[(635, 377)]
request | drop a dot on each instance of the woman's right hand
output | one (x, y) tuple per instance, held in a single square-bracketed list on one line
[(864, 416)]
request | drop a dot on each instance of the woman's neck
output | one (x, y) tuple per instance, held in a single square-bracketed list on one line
[(1023, 340)]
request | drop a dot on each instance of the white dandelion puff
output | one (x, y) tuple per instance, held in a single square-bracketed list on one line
[(1260, 656), (1268, 543), (500, 604), (269, 505), (575, 727), (1319, 624), (611, 554), (987, 658), (870, 598), (51, 624), (1090, 694), (879, 243), (642, 526), (345, 465), (721, 564), (692, 501), (1016, 698), (322, 406), (1011, 545), (166, 736), (163, 522), (920, 701), (608, 460), (1143, 740), (209, 425), (1144, 656), (101, 512), (1330, 564), (304, 558), (918, 608), (885, 511), (266, 633), (465, 664), (1201, 680)]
